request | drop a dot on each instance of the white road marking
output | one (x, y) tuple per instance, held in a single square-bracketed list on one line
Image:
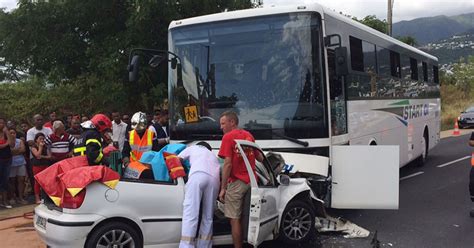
[(412, 175), (452, 162)]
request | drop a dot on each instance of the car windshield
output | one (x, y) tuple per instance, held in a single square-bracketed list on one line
[(267, 69)]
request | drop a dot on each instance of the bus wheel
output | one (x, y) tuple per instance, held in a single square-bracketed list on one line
[(424, 150)]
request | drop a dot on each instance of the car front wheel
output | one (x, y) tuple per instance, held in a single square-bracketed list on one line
[(114, 234), (297, 222)]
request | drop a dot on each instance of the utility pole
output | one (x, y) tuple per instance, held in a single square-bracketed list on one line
[(389, 17)]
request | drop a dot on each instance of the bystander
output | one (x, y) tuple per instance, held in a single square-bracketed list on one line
[(60, 143), (38, 128), (52, 118), (6, 143), (25, 126), (17, 170), (75, 129), (119, 130), (40, 161)]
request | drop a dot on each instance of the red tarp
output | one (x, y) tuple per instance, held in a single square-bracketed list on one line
[(73, 174)]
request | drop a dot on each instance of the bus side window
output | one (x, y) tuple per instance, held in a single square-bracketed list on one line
[(395, 64), (337, 98), (335, 88), (414, 69), (425, 71), (435, 75)]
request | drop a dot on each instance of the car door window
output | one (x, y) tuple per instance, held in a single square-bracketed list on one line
[(264, 174)]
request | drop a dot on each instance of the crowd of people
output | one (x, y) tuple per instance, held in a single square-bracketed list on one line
[(28, 149)]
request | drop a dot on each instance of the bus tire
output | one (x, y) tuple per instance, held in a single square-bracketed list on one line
[(424, 152)]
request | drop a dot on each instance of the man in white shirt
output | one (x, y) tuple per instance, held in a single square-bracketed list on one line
[(203, 185), (119, 130), (38, 128)]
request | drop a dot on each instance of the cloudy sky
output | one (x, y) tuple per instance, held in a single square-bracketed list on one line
[(402, 9)]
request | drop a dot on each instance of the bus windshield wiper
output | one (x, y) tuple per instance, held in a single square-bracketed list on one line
[(297, 141)]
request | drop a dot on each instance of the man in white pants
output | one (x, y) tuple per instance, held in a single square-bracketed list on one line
[(203, 185)]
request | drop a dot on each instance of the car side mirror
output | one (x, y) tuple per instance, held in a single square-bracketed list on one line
[(284, 179)]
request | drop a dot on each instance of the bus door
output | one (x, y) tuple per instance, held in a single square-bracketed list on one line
[(337, 96)]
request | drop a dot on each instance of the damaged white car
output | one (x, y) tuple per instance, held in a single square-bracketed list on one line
[(140, 213)]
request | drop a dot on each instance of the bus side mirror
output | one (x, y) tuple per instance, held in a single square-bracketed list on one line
[(133, 68), (174, 63), (341, 61)]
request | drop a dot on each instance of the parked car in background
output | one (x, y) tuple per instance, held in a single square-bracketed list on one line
[(466, 119), (148, 213)]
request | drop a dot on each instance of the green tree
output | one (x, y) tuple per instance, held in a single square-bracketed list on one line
[(373, 22), (79, 49), (410, 40), (464, 75)]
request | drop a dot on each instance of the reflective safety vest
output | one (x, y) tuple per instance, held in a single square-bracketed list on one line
[(472, 159), (140, 145), (134, 170)]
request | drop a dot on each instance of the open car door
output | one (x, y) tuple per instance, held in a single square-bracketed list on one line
[(365, 177), (263, 216)]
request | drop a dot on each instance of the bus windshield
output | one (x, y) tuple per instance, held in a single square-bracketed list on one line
[(266, 69)]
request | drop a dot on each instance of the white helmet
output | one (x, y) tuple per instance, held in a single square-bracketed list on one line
[(138, 121)]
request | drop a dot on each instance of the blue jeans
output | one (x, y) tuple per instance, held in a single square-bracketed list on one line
[(5, 165)]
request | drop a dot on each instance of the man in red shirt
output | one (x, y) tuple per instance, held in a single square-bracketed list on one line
[(235, 178), (52, 118)]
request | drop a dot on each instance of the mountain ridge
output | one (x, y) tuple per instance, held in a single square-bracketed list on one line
[(435, 28)]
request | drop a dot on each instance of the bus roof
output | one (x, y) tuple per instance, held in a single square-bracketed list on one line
[(246, 13), (298, 7), (370, 30)]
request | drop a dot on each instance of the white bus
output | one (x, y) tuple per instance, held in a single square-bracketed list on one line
[(308, 83)]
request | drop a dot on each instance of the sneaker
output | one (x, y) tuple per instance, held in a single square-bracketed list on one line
[(5, 205)]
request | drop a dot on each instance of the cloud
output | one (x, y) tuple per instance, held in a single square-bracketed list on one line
[(8, 4), (402, 9)]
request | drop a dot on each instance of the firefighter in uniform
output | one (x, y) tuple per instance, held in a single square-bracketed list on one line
[(95, 137), (140, 139)]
